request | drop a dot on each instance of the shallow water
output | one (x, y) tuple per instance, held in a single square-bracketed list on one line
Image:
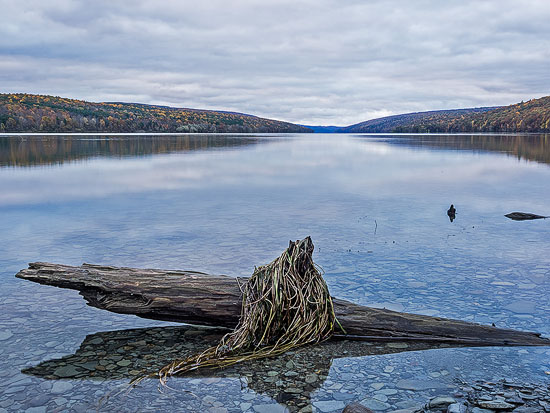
[(375, 207)]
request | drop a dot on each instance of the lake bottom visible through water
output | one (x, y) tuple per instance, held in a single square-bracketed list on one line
[(376, 210)]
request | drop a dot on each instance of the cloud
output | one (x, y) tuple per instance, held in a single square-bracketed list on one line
[(322, 61)]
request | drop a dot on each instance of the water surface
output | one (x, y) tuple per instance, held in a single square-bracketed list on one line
[(375, 207)]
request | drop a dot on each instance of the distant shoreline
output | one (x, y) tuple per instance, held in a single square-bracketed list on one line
[(41, 114), (14, 134)]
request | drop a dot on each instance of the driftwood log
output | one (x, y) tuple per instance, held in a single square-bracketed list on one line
[(215, 300)]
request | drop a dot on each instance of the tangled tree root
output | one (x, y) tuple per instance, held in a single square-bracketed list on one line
[(286, 304)]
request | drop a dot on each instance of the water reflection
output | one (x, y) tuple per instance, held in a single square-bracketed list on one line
[(48, 150), (534, 147), (289, 379)]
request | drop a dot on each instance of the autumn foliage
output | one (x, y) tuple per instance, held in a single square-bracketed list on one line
[(531, 116), (38, 113)]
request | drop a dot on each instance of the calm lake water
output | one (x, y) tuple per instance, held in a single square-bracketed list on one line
[(375, 207)]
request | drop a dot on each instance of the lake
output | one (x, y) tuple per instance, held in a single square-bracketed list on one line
[(375, 207)]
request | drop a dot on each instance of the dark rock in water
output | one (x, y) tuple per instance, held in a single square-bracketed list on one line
[(493, 397), (451, 213), (523, 216), (441, 402), (356, 408)]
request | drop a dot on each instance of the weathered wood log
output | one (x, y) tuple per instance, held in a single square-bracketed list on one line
[(215, 300)]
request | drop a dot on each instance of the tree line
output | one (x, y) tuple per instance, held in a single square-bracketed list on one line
[(530, 116), (39, 113)]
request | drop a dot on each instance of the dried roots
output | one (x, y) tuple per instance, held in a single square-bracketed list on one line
[(286, 304)]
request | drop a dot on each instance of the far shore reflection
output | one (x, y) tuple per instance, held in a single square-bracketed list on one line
[(535, 147), (25, 151)]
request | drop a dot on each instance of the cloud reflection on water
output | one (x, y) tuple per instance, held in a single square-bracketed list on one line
[(325, 162)]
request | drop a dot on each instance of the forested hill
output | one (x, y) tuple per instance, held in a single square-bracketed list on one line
[(38, 113), (530, 116), (422, 121)]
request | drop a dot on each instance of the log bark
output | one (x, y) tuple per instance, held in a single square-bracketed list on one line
[(215, 300)]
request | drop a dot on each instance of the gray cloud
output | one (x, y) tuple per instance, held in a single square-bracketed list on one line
[(323, 61)]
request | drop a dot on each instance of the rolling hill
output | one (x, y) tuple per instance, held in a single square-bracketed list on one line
[(530, 116), (416, 120), (39, 113)]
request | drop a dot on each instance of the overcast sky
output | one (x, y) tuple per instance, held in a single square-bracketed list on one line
[(312, 62)]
